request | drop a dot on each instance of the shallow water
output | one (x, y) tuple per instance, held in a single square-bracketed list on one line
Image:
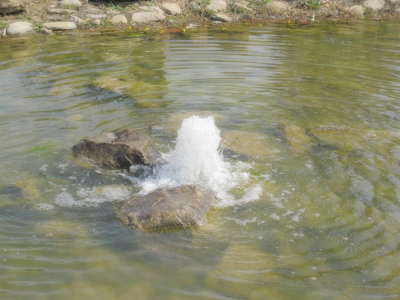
[(326, 222)]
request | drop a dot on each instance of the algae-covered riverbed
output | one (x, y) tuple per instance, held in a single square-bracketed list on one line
[(309, 117)]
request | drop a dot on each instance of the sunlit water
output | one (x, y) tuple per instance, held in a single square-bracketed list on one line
[(304, 212)]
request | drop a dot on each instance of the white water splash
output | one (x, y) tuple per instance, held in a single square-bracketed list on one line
[(197, 160)]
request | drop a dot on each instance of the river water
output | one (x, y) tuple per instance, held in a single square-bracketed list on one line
[(309, 117)]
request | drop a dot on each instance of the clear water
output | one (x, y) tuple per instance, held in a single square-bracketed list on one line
[(324, 222)]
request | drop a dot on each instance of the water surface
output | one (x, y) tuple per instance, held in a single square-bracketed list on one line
[(325, 224)]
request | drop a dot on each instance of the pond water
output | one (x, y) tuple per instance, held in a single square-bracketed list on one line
[(309, 115)]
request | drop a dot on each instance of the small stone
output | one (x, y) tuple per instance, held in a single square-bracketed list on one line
[(95, 16), (374, 5), (70, 3), (60, 25), (18, 28), (147, 16), (237, 7), (76, 20), (92, 10), (356, 10), (182, 206), (11, 6), (172, 8), (119, 19), (96, 22), (216, 5), (276, 7), (46, 31), (221, 17)]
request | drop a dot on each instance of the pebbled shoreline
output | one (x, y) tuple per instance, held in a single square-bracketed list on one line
[(52, 16)]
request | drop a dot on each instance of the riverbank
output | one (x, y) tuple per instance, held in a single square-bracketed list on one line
[(24, 17)]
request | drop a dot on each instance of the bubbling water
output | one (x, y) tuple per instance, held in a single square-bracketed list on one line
[(198, 160)]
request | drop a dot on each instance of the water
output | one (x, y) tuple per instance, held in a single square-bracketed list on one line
[(304, 143)]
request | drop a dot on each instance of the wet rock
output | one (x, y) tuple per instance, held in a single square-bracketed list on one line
[(11, 6), (70, 3), (182, 206), (221, 17), (276, 7), (296, 138), (148, 14), (18, 28), (119, 19), (119, 150), (172, 8), (216, 5), (374, 5), (356, 10), (60, 26)]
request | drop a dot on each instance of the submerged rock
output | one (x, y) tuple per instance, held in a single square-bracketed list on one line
[(182, 206), (350, 138), (119, 150), (296, 138), (253, 145)]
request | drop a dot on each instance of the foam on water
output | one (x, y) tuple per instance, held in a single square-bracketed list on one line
[(91, 197), (197, 160)]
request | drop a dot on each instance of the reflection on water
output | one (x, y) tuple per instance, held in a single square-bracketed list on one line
[(311, 113)]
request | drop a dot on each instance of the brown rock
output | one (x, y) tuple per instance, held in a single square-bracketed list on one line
[(182, 206), (119, 150)]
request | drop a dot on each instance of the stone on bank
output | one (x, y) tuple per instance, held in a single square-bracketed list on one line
[(182, 206), (11, 6), (61, 26), (18, 28)]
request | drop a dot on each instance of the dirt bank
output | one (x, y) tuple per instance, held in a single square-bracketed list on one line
[(97, 14)]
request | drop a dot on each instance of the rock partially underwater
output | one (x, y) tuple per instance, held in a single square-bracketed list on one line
[(118, 150), (182, 206)]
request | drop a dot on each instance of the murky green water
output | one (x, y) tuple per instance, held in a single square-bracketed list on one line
[(328, 220)]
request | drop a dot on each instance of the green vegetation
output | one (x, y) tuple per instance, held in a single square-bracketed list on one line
[(3, 25), (312, 4)]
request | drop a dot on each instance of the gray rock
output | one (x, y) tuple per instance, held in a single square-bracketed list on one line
[(147, 16), (182, 206), (172, 8), (76, 20), (70, 3), (276, 7), (11, 6), (356, 10), (374, 5), (96, 21), (118, 151), (18, 28), (119, 19), (95, 16), (60, 11), (60, 26), (216, 5), (394, 1), (221, 17)]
